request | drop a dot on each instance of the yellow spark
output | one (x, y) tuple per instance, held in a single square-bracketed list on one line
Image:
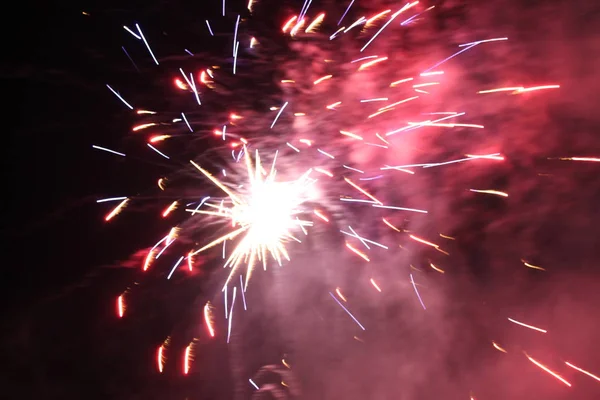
[(495, 192), (396, 83), (357, 252), (208, 319), (527, 326), (333, 105), (340, 295), (583, 371), (437, 269), (289, 23), (376, 17), (315, 24), (548, 370), (592, 159), (288, 81), (532, 266), (371, 63), (143, 126), (375, 285), (352, 135), (321, 79), (502, 89), (418, 239), (116, 210), (324, 172), (534, 88), (447, 237), (320, 215), (299, 114), (363, 191), (161, 183), (385, 221), (497, 347)]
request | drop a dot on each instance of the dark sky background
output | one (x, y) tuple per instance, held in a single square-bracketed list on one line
[(62, 266)]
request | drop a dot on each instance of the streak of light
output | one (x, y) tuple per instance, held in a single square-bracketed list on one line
[(340, 295), (148, 260), (482, 41), (495, 192), (146, 43), (400, 208), (243, 294), (285, 363), (527, 326), (352, 135), (208, 319), (376, 99), (190, 261), (419, 85), (418, 239), (135, 35), (583, 371), (392, 18), (187, 123), (363, 191), (209, 28), (158, 151), (289, 23), (143, 126), (325, 154), (398, 103), (532, 266), (321, 79), (278, 114), (357, 252), (119, 96), (385, 221), (362, 58), (417, 292), (450, 57), (447, 237), (110, 199), (495, 156), (299, 114), (253, 384), (345, 12), (253, 42), (160, 355), (424, 74), (235, 33), (231, 314), (159, 138), (356, 235), (306, 142), (548, 370), (437, 268), (335, 33), (591, 159), (169, 209), (497, 347), (292, 147), (377, 16), (396, 83), (139, 112), (175, 266), (347, 311), (315, 24), (121, 305), (179, 83), (116, 210), (375, 285), (332, 106), (250, 4), (188, 358), (351, 200), (320, 215), (371, 63), (353, 169), (535, 88), (502, 89), (324, 172)]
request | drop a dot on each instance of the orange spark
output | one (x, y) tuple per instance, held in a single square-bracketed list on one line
[(371, 63), (363, 191), (333, 105), (592, 159), (495, 192), (148, 260), (116, 210), (385, 221), (532, 266), (340, 295), (352, 135), (447, 237), (179, 83), (159, 138), (169, 209), (376, 17), (418, 239), (161, 183), (188, 358), (437, 269), (497, 347), (396, 83), (357, 252), (324, 172), (534, 88), (583, 371), (548, 370), (289, 23), (527, 326), (315, 24), (190, 262), (160, 355), (321, 79), (502, 89), (208, 319), (142, 126)]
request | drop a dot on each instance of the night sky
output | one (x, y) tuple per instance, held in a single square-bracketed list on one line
[(63, 267)]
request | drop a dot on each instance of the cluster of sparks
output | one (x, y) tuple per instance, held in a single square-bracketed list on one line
[(264, 214)]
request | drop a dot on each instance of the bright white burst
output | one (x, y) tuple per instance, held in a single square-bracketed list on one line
[(266, 214)]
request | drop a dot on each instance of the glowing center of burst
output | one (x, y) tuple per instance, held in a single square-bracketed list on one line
[(269, 212)]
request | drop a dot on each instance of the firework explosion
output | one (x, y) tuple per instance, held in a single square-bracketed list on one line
[(373, 121)]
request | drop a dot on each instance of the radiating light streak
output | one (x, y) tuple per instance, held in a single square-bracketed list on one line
[(548, 370), (371, 63), (192, 84), (321, 79), (320, 215), (421, 91), (324, 172), (110, 199), (377, 16), (497, 347), (253, 41), (289, 23), (160, 355), (583, 371), (417, 292), (352, 200), (450, 57), (175, 266), (590, 159), (169, 209), (231, 314), (375, 285), (419, 85), (335, 33), (398, 103), (362, 58), (278, 114), (441, 271), (190, 261), (347, 311), (340, 295), (253, 384), (148, 260), (187, 358), (116, 210), (223, 7), (345, 12), (316, 22), (424, 74), (135, 35), (325, 154), (209, 28), (208, 319), (376, 99), (385, 221), (418, 239), (356, 235), (130, 59), (400, 208), (503, 89), (292, 147), (143, 126), (527, 326), (447, 237), (235, 33), (120, 306), (357, 252), (119, 96), (532, 266), (146, 43), (363, 191), (482, 41), (225, 301), (187, 123), (494, 192), (333, 105), (242, 291), (424, 123), (372, 178), (352, 135), (392, 18), (353, 169), (396, 83), (534, 88), (158, 151)]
